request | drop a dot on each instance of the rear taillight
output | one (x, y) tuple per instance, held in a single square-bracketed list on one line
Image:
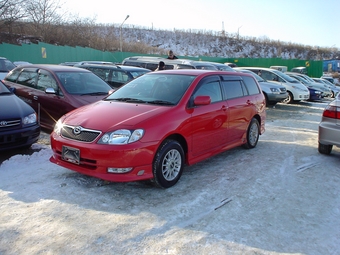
[(332, 111)]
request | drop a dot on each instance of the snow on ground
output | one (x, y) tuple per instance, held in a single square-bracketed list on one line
[(280, 198)]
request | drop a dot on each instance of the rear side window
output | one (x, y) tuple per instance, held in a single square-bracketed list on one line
[(28, 78), (234, 89), (251, 85), (120, 77), (102, 73), (151, 66), (13, 75)]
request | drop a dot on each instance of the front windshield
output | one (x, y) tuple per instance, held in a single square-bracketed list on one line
[(83, 83), (285, 76), (310, 80), (3, 89), (154, 88), (6, 65)]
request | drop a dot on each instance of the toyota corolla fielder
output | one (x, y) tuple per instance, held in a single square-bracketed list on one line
[(154, 125)]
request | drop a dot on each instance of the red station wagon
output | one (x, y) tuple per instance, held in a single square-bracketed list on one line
[(151, 127)]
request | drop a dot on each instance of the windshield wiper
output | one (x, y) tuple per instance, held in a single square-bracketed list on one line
[(129, 99), (5, 93), (160, 102), (95, 93)]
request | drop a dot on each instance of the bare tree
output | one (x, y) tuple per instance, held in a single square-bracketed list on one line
[(43, 14), (11, 11)]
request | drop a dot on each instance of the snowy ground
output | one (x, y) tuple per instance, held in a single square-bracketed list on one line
[(280, 198)]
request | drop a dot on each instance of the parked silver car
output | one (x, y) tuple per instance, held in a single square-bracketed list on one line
[(310, 83), (335, 89), (273, 92), (329, 127)]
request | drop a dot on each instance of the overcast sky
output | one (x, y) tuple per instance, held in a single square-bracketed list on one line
[(307, 22)]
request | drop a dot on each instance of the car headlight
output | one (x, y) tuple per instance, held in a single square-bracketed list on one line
[(57, 127), (121, 136), (30, 119), (275, 90)]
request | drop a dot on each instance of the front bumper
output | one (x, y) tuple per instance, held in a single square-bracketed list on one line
[(19, 138)]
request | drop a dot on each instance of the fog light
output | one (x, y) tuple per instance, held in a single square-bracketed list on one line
[(141, 172), (118, 170)]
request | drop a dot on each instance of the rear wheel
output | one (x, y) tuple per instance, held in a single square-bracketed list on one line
[(253, 134), (289, 99), (325, 149), (168, 164)]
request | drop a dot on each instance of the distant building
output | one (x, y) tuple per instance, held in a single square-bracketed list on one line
[(332, 65)]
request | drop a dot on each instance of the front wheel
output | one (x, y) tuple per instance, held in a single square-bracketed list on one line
[(325, 149), (289, 99), (168, 164), (253, 134)]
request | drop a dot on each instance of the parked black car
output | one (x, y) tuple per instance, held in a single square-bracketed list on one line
[(19, 127), (115, 75)]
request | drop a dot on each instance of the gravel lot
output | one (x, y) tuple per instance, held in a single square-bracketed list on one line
[(280, 198)]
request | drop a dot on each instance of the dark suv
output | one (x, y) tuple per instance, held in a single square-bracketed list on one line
[(115, 75)]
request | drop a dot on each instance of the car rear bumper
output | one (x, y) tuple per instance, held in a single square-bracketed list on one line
[(329, 133)]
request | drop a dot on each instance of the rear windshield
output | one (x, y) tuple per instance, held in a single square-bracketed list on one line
[(6, 65)]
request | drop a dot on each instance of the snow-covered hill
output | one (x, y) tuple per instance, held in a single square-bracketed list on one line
[(214, 44)]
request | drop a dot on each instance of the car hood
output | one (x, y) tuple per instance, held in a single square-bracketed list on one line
[(105, 115), (271, 84), (16, 108)]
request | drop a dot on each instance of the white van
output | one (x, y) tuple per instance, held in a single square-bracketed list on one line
[(151, 63), (296, 90)]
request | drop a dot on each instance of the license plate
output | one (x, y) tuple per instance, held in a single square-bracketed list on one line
[(71, 155)]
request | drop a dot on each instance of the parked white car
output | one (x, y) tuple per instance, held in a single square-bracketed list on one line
[(296, 90)]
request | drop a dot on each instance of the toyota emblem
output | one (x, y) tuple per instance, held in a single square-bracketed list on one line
[(77, 130), (3, 123)]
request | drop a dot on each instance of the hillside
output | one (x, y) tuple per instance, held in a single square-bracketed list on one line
[(203, 43)]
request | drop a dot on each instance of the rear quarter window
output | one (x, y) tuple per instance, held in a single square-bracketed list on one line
[(234, 89), (28, 79), (13, 75), (251, 85)]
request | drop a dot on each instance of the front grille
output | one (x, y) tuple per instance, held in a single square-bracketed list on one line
[(85, 135), (9, 124)]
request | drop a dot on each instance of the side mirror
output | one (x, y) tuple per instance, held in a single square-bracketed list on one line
[(202, 100), (50, 91)]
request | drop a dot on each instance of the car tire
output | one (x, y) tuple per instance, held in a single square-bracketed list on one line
[(168, 164), (289, 99), (325, 149), (253, 134)]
